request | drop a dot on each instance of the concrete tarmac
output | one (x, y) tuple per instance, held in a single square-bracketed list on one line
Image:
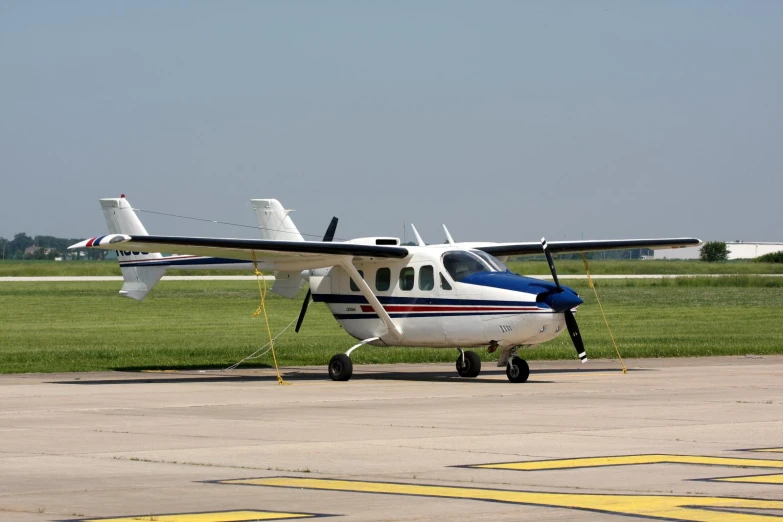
[(673, 439)]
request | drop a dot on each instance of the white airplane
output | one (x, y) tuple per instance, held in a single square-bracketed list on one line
[(452, 295)]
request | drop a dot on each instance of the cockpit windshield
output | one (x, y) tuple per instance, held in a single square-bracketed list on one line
[(462, 263), (493, 261)]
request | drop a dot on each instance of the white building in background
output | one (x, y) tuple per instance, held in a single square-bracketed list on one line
[(737, 250)]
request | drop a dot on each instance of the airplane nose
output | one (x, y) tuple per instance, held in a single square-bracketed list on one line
[(562, 301)]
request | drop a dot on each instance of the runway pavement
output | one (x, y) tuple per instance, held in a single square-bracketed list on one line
[(687, 439)]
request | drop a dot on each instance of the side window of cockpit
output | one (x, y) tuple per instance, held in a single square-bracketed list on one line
[(353, 285), (426, 278), (382, 279), (444, 284), (407, 275)]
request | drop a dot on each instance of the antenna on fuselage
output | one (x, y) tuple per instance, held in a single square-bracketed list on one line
[(419, 240), (448, 236)]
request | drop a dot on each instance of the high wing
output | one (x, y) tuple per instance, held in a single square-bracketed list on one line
[(270, 254), (564, 247)]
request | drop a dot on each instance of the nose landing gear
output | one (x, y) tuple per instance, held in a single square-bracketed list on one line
[(517, 370)]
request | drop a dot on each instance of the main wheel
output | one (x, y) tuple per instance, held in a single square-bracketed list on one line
[(340, 367), (471, 365), (517, 370)]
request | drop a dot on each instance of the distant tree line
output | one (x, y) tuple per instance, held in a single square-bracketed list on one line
[(632, 253), (23, 246)]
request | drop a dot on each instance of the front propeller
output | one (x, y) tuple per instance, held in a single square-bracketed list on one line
[(563, 300), (328, 237)]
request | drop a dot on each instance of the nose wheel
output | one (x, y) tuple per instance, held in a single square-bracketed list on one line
[(517, 370)]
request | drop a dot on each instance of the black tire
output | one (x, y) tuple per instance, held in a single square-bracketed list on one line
[(340, 367), (517, 370), (471, 366)]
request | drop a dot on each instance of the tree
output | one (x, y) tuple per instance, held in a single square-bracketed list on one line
[(19, 243), (714, 251), (774, 257)]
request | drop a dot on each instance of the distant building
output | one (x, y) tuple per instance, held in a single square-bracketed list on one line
[(737, 250), (34, 249)]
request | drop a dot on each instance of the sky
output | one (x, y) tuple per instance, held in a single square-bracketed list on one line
[(508, 121)]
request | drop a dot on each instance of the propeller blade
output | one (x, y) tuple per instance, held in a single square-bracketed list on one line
[(551, 263), (302, 313), (576, 337), (328, 237)]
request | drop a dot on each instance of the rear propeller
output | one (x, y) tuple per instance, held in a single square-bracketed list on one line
[(563, 303), (328, 237)]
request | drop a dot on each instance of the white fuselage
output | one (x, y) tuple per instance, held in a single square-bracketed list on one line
[(430, 308)]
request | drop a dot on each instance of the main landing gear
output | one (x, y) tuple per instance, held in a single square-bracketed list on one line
[(468, 364), (341, 367)]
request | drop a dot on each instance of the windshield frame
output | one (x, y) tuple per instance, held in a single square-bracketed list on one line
[(488, 267), (494, 262)]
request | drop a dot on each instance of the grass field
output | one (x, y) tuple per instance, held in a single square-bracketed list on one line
[(53, 327), (564, 266)]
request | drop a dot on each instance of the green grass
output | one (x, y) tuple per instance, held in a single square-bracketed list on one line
[(86, 268), (564, 267), (52, 327)]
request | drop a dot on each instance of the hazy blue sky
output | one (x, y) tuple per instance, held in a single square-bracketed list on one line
[(505, 120)]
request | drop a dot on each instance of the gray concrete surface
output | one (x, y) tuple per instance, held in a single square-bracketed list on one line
[(81, 446)]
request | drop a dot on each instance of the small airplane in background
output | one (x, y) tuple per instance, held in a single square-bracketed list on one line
[(452, 295)]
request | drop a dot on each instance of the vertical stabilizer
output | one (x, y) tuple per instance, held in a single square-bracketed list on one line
[(274, 222), (121, 219)]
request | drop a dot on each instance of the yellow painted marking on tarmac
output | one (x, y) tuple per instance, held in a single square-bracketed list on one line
[(628, 460), (218, 516), (767, 450), (753, 479), (686, 508)]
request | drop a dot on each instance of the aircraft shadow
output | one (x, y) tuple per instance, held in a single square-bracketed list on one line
[(360, 375)]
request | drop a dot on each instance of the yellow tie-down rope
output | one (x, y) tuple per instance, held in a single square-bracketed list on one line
[(262, 308), (592, 285)]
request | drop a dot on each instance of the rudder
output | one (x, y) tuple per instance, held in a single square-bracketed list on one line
[(122, 219)]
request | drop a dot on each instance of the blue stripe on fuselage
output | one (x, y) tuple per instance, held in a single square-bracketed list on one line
[(391, 300)]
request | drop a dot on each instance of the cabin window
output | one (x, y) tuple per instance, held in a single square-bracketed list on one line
[(407, 275), (383, 279), (461, 264), (426, 278), (444, 283), (353, 285)]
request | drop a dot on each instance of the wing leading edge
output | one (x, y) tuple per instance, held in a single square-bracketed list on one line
[(564, 247), (279, 255)]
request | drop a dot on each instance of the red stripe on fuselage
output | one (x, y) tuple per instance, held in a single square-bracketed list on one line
[(442, 308)]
